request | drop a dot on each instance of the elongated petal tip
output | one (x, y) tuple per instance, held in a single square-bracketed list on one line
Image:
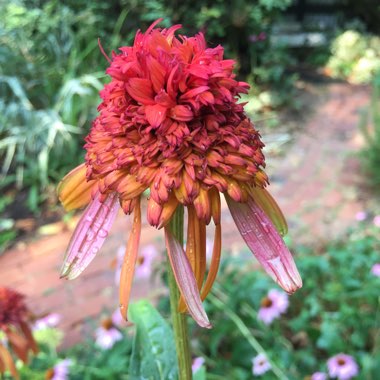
[(265, 243), (286, 276), (89, 235), (185, 279)]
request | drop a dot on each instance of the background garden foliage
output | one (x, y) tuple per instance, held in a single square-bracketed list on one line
[(336, 311)]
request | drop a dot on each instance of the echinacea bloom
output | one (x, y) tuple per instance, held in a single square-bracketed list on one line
[(375, 270), (108, 334), (197, 364), (60, 371), (272, 306), (342, 367), (318, 376), (260, 365), (14, 323), (170, 123)]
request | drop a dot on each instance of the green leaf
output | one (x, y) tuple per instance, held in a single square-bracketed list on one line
[(153, 354), (200, 374)]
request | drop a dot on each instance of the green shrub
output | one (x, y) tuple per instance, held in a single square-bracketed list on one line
[(48, 94), (355, 57)]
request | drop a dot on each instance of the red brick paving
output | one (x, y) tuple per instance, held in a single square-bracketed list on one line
[(315, 183)]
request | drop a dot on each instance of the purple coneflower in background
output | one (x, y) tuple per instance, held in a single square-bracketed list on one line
[(272, 306), (145, 261), (262, 36), (376, 220), (318, 376), (60, 371), (342, 367), (49, 321), (197, 364), (360, 216), (375, 270), (108, 334), (260, 365)]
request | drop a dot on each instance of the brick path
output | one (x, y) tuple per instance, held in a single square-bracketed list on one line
[(315, 183)]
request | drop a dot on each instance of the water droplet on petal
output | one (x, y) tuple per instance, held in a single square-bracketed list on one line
[(90, 235), (102, 233)]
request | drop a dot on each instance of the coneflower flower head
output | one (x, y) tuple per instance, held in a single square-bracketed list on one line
[(170, 123), (14, 323)]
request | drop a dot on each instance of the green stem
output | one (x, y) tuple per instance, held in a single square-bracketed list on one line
[(181, 335), (245, 332)]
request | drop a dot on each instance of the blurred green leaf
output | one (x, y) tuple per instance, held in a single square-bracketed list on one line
[(153, 356)]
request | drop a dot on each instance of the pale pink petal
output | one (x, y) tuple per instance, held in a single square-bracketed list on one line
[(265, 243), (185, 279), (89, 235)]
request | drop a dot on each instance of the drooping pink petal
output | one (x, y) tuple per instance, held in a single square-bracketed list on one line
[(270, 207), (185, 279), (265, 243), (89, 235)]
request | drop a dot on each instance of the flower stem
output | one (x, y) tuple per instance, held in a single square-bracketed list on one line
[(181, 336)]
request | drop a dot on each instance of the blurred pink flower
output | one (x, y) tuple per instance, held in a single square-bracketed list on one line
[(197, 364), (144, 262), (260, 365), (272, 306), (50, 320), (360, 216), (342, 367), (376, 220), (257, 37), (60, 371), (318, 376), (118, 320), (375, 270), (107, 334)]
